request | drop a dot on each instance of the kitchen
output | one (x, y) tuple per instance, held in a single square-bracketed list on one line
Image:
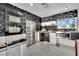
[(21, 29)]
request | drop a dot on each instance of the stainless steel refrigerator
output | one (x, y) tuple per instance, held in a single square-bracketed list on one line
[(30, 32)]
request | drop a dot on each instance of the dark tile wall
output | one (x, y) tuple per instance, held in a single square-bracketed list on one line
[(7, 9), (2, 24), (69, 14)]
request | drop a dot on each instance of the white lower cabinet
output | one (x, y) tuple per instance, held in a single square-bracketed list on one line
[(37, 36), (24, 50), (78, 47), (13, 51), (67, 42), (3, 53), (28, 52), (53, 38), (16, 50)]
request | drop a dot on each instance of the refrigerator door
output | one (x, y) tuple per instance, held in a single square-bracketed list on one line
[(30, 32)]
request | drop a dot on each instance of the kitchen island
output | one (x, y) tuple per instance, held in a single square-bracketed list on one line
[(64, 39), (53, 38)]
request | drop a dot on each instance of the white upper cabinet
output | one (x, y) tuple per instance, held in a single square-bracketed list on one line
[(14, 19)]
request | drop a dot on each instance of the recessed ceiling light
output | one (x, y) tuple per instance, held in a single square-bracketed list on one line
[(66, 8), (31, 4)]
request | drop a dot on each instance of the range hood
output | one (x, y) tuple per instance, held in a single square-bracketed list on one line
[(52, 23)]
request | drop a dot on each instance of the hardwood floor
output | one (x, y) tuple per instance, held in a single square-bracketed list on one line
[(47, 49)]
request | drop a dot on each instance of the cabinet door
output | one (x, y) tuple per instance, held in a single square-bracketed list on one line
[(2, 53), (13, 51), (78, 46), (37, 36), (53, 38), (24, 50)]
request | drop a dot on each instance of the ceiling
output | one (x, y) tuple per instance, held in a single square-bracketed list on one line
[(51, 8)]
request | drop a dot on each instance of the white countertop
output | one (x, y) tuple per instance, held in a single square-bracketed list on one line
[(2, 49), (68, 32)]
